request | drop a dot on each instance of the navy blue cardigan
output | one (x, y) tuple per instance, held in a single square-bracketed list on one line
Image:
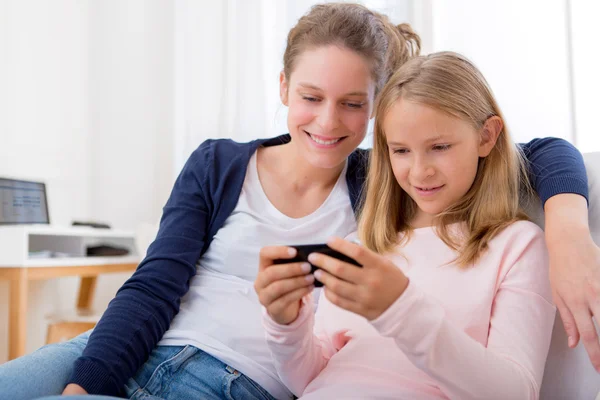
[(205, 194)]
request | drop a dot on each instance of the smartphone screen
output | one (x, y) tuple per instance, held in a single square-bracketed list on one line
[(305, 250)]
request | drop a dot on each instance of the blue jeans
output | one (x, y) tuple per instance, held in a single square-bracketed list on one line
[(171, 373)]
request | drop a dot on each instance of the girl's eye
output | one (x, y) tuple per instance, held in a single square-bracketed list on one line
[(441, 147), (400, 151)]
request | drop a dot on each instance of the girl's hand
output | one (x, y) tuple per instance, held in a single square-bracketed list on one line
[(366, 291), (281, 287)]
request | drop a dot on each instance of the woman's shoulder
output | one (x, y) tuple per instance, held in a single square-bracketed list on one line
[(360, 157), (219, 153), (358, 162), (227, 146)]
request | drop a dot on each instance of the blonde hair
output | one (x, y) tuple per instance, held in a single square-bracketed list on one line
[(450, 83), (354, 27)]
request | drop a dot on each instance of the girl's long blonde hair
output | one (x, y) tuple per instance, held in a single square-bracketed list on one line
[(450, 83)]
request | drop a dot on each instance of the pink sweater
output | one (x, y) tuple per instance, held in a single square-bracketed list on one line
[(478, 333)]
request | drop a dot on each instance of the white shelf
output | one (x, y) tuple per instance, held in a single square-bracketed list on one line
[(52, 230), (19, 242), (81, 261)]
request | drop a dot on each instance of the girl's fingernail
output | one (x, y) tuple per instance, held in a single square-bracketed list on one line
[(292, 251), (571, 341), (309, 278), (318, 274), (305, 267), (313, 258)]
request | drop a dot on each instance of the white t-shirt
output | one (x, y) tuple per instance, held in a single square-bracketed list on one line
[(221, 314)]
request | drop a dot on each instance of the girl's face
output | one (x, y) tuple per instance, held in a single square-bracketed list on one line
[(434, 156), (330, 98)]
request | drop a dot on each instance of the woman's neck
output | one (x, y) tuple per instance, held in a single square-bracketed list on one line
[(298, 172), (291, 184)]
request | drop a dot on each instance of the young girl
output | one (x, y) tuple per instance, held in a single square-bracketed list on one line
[(460, 307)]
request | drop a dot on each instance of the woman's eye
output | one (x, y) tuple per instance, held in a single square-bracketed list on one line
[(311, 99), (355, 105)]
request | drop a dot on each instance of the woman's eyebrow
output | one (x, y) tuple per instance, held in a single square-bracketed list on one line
[(311, 86)]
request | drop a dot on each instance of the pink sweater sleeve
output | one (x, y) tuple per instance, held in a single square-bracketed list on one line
[(511, 366), (299, 355)]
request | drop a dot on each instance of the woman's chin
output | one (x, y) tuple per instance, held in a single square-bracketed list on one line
[(328, 158)]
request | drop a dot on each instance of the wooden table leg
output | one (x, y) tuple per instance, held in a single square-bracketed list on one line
[(86, 292), (17, 325)]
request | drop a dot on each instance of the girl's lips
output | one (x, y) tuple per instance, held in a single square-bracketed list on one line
[(425, 192)]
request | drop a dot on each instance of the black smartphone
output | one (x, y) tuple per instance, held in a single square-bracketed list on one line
[(304, 250)]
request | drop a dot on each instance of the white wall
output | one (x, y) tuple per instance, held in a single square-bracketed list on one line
[(586, 67), (3, 70), (86, 106), (131, 103), (45, 125), (44, 129), (521, 48)]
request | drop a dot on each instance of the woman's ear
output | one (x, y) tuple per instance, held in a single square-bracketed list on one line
[(283, 89), (490, 132)]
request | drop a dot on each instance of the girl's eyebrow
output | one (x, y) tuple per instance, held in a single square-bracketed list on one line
[(311, 86), (393, 143), (436, 138), (433, 139)]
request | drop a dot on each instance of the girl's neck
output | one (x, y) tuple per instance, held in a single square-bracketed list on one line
[(422, 220)]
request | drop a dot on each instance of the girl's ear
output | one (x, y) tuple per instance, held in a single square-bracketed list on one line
[(492, 128), (283, 89)]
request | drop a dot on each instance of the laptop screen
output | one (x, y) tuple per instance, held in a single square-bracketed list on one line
[(23, 202)]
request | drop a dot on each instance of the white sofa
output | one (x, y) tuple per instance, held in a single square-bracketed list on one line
[(569, 374)]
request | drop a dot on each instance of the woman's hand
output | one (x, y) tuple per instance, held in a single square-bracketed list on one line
[(73, 389), (366, 291), (574, 270), (280, 287)]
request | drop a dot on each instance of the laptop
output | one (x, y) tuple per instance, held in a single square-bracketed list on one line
[(23, 202)]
